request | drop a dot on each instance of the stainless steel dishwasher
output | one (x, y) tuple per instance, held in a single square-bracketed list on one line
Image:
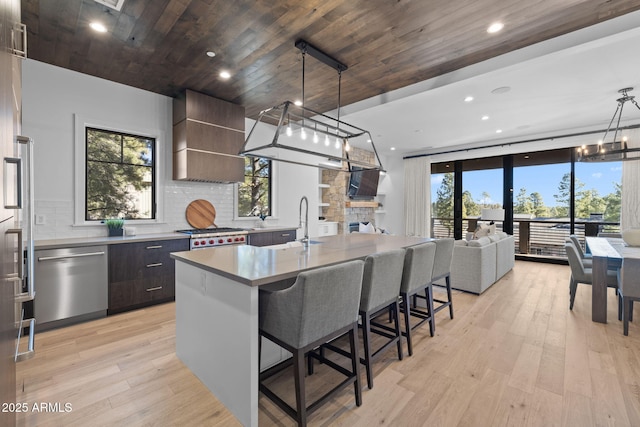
[(72, 285)]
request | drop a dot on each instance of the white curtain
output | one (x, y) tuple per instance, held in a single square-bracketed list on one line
[(630, 209), (417, 197)]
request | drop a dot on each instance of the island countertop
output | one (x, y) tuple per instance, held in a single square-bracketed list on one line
[(255, 266)]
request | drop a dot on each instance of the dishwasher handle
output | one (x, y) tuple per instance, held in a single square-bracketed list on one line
[(58, 257)]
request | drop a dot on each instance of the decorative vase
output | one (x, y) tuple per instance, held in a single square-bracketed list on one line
[(631, 236), (114, 232)]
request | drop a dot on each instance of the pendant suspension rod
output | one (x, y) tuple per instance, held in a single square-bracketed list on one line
[(339, 95)]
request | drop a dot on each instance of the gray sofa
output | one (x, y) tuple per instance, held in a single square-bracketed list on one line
[(478, 264)]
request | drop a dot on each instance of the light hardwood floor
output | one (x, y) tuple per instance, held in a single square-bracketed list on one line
[(514, 356)]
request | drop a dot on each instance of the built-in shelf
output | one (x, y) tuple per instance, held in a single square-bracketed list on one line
[(324, 185), (324, 204), (361, 204)]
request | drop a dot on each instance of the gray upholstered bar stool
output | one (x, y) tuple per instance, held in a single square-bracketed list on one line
[(442, 271), (380, 291), (320, 306), (629, 288), (580, 274), (416, 277)]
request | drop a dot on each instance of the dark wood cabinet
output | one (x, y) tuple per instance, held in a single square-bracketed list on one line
[(142, 273), (267, 238)]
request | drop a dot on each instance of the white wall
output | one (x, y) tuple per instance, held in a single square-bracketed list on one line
[(53, 96)]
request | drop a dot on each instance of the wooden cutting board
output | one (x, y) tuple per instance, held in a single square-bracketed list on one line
[(201, 214)]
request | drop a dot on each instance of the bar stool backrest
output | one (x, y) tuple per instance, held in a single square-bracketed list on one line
[(418, 266), (442, 263), (320, 302), (382, 277)]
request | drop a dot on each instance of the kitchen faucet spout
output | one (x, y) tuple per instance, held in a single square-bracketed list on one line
[(305, 239)]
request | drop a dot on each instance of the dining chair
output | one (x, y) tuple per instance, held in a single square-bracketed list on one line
[(586, 258), (416, 277), (320, 306), (629, 288), (580, 274)]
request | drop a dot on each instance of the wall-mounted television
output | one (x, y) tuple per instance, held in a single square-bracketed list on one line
[(363, 183)]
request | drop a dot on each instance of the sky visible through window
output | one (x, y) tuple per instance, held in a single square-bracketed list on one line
[(600, 176)]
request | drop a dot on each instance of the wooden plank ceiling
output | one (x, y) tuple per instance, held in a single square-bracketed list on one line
[(160, 45)]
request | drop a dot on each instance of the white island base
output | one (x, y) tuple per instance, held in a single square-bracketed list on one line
[(217, 337)]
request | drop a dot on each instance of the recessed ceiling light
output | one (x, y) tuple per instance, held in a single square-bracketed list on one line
[(211, 54), (392, 148), (369, 141), (225, 74), (499, 131), (495, 27), (297, 102), (98, 26), (468, 99), (485, 117)]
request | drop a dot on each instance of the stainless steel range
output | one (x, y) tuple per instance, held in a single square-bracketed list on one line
[(211, 237)]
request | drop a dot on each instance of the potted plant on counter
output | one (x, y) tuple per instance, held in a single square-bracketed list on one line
[(115, 226)]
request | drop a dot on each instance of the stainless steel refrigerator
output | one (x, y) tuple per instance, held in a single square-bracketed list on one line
[(13, 219)]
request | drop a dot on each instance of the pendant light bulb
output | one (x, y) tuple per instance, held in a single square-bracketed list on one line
[(337, 142), (303, 134), (326, 140), (289, 131), (315, 137)]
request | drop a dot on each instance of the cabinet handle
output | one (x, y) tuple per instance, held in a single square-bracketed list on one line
[(157, 288), (53, 258), (155, 247), (157, 264), (285, 235)]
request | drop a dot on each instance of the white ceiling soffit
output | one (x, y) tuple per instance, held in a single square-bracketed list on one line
[(560, 86), (113, 4)]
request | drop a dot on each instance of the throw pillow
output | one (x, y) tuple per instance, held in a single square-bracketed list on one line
[(483, 241)]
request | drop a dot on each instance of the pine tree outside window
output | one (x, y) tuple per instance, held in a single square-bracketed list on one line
[(120, 176)]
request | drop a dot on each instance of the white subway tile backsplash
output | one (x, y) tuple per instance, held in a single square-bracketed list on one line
[(176, 197)]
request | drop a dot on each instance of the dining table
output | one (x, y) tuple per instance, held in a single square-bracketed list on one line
[(607, 254)]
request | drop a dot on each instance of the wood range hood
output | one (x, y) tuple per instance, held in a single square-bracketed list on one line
[(208, 134)]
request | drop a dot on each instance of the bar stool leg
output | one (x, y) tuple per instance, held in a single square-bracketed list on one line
[(366, 340), (448, 282), (407, 323), (301, 405), (396, 312)]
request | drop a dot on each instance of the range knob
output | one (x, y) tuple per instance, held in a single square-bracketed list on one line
[(229, 240), (212, 242), (220, 241), (203, 242), (242, 239), (237, 239), (196, 243)]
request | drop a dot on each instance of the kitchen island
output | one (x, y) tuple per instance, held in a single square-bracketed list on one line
[(217, 306)]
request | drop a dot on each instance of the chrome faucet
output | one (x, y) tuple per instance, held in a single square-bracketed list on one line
[(305, 239)]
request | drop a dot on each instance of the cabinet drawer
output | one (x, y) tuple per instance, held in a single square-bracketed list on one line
[(279, 237), (136, 261), (135, 293)]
